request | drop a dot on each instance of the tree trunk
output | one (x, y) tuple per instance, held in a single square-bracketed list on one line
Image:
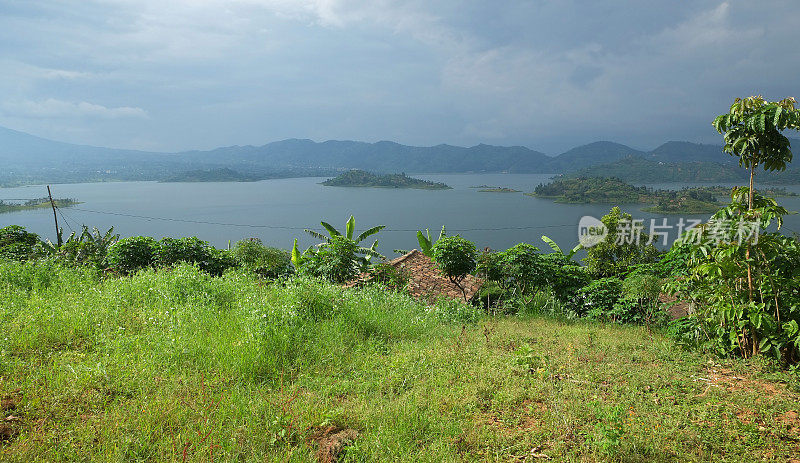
[(747, 256)]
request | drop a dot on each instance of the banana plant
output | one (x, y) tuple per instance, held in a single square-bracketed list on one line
[(557, 248), (425, 242), (349, 232)]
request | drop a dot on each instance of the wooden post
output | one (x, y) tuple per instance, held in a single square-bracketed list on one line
[(55, 217)]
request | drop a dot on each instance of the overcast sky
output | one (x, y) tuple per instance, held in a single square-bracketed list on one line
[(548, 74)]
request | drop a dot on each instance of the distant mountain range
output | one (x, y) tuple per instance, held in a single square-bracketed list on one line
[(29, 159)]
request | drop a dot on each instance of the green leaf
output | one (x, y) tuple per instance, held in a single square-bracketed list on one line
[(776, 120), (369, 233), (552, 244), (350, 227), (424, 243), (296, 257), (331, 229)]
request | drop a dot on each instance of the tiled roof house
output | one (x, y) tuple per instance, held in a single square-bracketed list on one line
[(425, 280)]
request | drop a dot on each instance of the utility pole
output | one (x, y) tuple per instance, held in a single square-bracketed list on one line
[(55, 217)]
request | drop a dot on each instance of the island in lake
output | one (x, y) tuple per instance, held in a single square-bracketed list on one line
[(591, 190), (37, 203), (497, 189), (360, 178)]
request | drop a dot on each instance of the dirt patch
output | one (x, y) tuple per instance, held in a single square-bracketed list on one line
[(791, 422), (675, 308), (8, 403), (7, 432), (332, 442), (726, 379), (527, 420), (8, 422)]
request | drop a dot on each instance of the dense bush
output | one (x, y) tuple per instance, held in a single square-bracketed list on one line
[(389, 276), (18, 244), (132, 254), (521, 272), (261, 260), (622, 249), (87, 248), (171, 251), (335, 260), (596, 300)]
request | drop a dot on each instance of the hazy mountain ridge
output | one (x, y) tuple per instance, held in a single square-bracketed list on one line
[(29, 159)]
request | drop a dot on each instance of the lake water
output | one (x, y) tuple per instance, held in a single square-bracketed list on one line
[(276, 211)]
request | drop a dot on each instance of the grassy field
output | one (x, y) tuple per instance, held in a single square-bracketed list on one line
[(178, 366)]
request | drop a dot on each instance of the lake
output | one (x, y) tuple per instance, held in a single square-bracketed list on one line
[(277, 211)]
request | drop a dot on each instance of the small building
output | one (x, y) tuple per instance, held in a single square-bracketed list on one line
[(426, 281)]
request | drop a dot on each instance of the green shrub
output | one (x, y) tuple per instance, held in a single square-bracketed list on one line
[(389, 276), (86, 248), (743, 289), (597, 299), (18, 244), (132, 254), (563, 276), (264, 261), (336, 260), (522, 270), (171, 251), (219, 260), (622, 249)]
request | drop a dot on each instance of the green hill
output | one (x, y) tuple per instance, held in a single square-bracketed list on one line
[(591, 190), (360, 178)]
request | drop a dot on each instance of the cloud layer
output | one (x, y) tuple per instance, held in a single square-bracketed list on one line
[(548, 74)]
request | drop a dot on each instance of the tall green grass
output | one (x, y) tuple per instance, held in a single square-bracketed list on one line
[(174, 365)]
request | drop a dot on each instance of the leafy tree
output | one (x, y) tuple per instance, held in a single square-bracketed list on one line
[(742, 309), (456, 258), (624, 247), (752, 131)]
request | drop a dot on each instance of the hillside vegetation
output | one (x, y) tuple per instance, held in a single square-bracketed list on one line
[(177, 365), (14, 206), (360, 178), (590, 190)]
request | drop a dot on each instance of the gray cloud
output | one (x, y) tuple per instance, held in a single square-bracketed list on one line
[(547, 74)]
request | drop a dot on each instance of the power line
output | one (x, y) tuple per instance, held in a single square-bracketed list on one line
[(65, 219), (68, 218), (279, 227)]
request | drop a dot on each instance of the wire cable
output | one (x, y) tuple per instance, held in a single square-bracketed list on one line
[(65, 219), (279, 227)]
